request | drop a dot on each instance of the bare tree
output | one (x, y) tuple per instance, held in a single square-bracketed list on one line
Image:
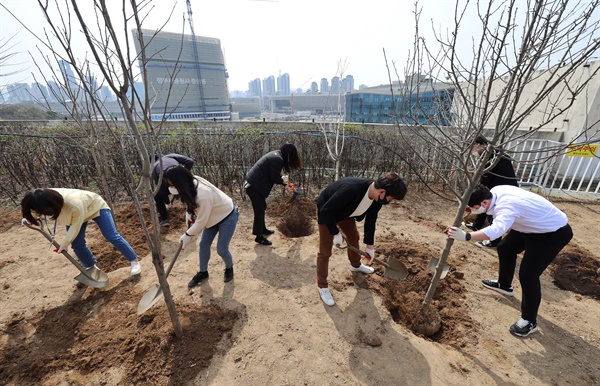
[(334, 131), (111, 49), (525, 65)]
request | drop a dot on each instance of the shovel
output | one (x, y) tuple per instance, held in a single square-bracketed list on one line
[(155, 293), (394, 269), (92, 277), (433, 263)]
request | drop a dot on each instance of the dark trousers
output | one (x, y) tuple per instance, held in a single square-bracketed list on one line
[(540, 249), (259, 205), (348, 228), (161, 199)]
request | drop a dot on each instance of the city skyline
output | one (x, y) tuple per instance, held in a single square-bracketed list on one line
[(300, 38)]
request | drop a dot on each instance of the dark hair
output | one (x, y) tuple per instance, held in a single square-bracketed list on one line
[(480, 193), (481, 140), (393, 184), (291, 160), (44, 201), (183, 180)]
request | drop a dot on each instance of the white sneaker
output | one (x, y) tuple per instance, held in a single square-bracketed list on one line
[(136, 268), (326, 296), (363, 269)]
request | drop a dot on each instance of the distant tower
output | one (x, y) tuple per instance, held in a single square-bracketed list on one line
[(268, 85), (324, 85), (69, 77), (335, 84), (254, 88), (314, 87), (283, 84), (348, 83)]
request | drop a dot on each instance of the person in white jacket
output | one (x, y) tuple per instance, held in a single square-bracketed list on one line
[(210, 212), (73, 208), (535, 226)]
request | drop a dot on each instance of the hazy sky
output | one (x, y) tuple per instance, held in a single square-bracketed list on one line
[(305, 38)]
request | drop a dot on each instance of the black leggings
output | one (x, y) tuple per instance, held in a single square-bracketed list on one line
[(540, 249)]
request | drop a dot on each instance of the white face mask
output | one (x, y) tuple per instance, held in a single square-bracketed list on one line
[(480, 210), (475, 153), (173, 190)]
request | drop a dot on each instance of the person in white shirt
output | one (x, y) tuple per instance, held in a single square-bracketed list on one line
[(535, 226), (210, 212)]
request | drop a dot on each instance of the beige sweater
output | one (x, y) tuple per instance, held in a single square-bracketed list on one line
[(213, 206)]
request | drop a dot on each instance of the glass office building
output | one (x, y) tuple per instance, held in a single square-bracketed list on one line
[(431, 107)]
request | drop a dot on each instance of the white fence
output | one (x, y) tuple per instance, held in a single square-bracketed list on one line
[(549, 165)]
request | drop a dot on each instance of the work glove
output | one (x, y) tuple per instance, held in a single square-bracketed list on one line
[(457, 234), (190, 219), (286, 179), (371, 253), (60, 249), (185, 239), (24, 222), (338, 239)]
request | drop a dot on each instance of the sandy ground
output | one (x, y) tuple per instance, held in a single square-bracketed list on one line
[(269, 326)]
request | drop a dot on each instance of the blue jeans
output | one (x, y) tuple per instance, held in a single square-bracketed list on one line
[(109, 231), (225, 230)]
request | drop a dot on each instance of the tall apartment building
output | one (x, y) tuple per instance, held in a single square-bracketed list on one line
[(335, 85), (283, 84), (268, 85), (254, 88), (324, 85)]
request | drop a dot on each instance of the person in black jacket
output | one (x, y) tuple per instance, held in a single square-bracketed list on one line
[(260, 180), (501, 174), (340, 206), (161, 198)]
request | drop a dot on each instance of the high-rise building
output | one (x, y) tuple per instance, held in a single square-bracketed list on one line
[(39, 92), (314, 87), (18, 92), (254, 88), (335, 85), (348, 83), (268, 86), (283, 84), (324, 85), (70, 81), (185, 82)]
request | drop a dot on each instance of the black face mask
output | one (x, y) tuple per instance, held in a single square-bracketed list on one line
[(382, 201)]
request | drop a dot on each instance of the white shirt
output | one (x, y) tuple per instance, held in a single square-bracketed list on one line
[(365, 203), (523, 211)]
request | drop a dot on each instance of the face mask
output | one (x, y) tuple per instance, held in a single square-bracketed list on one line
[(475, 154), (382, 201), (173, 190), (478, 211)]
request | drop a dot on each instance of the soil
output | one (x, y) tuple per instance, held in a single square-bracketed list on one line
[(269, 326)]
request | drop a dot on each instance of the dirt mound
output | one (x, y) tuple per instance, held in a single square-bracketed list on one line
[(99, 334), (404, 298), (575, 269), (295, 216)]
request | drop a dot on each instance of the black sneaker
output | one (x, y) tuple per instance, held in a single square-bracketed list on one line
[(261, 240), (486, 244), (470, 226), (267, 232), (197, 279), (165, 223), (494, 285), (228, 275), (523, 327)]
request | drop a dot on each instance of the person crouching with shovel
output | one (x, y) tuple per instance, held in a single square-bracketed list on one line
[(73, 208), (339, 207)]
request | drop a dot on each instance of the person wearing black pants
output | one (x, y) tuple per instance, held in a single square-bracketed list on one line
[(161, 198), (537, 228), (260, 180), (503, 173)]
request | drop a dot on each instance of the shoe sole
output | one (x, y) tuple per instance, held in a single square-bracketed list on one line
[(503, 292), (526, 334)]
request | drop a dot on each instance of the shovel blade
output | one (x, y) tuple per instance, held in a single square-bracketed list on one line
[(396, 270), (433, 264), (93, 277), (149, 299)]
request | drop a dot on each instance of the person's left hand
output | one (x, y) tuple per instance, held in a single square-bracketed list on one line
[(60, 249), (185, 238), (457, 234)]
